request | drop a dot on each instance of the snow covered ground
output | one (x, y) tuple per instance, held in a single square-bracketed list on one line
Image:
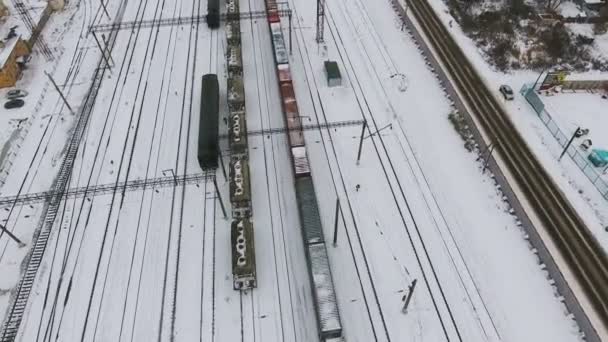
[(566, 110), (582, 194), (423, 211), (142, 265), (155, 264)]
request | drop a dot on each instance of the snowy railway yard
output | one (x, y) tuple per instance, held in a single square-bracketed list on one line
[(154, 263)]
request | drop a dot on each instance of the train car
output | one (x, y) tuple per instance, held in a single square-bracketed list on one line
[(237, 135), (326, 305), (280, 52), (308, 208), (236, 94), (271, 4), (283, 73), (240, 189), (243, 254), (234, 60), (296, 134), (233, 33), (208, 147), (273, 15), (301, 165), (213, 14), (232, 10), (335, 339), (287, 92)]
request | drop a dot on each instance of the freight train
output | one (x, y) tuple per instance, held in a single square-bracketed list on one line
[(326, 306), (242, 241)]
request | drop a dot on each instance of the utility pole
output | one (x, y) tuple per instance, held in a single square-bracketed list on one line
[(219, 196), (487, 158), (569, 143), (408, 296), (538, 78), (60, 93), (105, 9), (336, 222), (103, 50), (289, 15), (361, 141), (219, 150), (172, 173), (3, 228)]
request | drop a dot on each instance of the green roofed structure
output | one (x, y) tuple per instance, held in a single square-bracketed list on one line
[(599, 158), (332, 71)]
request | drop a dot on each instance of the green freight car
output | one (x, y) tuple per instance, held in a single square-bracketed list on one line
[(243, 254), (240, 190), (236, 94), (208, 146), (213, 14), (238, 135)]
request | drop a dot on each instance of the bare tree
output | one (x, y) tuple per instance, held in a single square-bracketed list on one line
[(553, 5)]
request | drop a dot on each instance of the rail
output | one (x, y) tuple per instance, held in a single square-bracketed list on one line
[(49, 214), (129, 25), (577, 245), (138, 184)]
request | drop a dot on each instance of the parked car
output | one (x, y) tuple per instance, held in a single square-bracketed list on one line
[(15, 94), (506, 92), (14, 103)]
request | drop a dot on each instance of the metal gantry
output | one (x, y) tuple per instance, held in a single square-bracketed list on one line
[(138, 184), (129, 25), (306, 127), (142, 184)]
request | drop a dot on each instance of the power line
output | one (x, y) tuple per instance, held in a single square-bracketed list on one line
[(128, 25), (306, 127), (138, 184)]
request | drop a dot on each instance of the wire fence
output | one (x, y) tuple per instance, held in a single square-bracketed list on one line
[(588, 169)]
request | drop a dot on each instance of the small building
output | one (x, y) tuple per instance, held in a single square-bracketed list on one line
[(594, 5), (10, 54), (599, 158), (16, 41), (332, 71)]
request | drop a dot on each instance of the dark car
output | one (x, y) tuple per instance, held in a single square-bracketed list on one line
[(16, 103), (506, 92), (15, 94)]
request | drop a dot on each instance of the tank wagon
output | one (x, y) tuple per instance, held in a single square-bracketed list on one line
[(208, 125), (242, 242), (213, 14), (326, 305)]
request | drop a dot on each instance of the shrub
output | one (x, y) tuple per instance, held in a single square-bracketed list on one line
[(557, 40), (500, 52)]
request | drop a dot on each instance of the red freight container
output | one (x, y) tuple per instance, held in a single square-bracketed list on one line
[(287, 91), (284, 73), (273, 16), (291, 109)]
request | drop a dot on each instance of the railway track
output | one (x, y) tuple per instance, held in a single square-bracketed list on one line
[(577, 245), (18, 305)]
